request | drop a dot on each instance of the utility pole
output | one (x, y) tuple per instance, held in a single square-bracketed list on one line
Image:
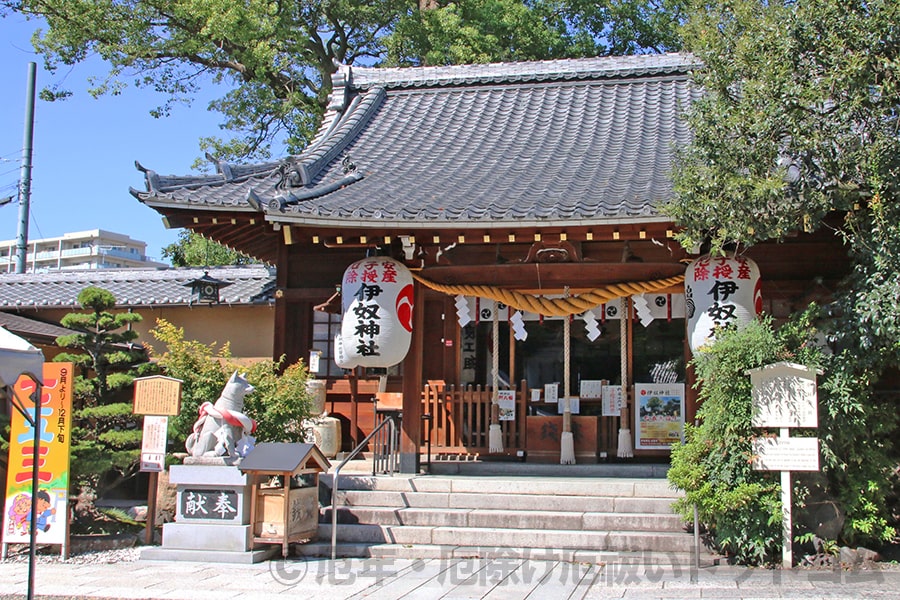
[(25, 177)]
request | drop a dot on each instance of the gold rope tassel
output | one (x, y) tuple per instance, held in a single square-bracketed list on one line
[(624, 449), (567, 440), (495, 436)]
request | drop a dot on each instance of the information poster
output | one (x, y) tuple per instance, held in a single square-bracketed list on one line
[(659, 415), (507, 401), (153, 444), (54, 430)]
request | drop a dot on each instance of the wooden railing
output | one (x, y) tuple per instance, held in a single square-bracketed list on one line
[(460, 419)]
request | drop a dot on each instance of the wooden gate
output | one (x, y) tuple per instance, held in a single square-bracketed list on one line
[(460, 419)]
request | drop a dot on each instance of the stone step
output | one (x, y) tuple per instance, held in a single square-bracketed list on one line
[(494, 537), (497, 515), (506, 501), (510, 519), (625, 560), (555, 486), (548, 470)]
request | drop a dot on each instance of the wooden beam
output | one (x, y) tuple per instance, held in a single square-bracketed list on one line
[(551, 275)]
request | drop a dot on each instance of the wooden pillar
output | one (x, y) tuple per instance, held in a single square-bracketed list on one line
[(354, 407), (452, 334), (411, 422), (279, 341)]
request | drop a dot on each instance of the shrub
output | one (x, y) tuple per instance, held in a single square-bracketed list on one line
[(740, 507), (279, 403)]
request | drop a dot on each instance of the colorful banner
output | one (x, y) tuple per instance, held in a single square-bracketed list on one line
[(55, 426), (659, 415)]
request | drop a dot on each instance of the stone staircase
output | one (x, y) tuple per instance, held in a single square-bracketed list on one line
[(579, 519)]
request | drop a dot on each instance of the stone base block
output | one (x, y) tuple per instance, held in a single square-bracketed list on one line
[(207, 556), (206, 537)]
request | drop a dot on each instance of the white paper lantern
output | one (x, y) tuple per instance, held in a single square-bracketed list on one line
[(376, 329), (719, 291)]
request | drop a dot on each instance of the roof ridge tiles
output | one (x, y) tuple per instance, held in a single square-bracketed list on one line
[(509, 72)]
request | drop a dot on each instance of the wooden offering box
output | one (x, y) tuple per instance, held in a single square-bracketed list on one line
[(284, 504)]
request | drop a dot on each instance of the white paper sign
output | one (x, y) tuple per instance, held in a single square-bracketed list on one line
[(153, 444), (611, 400), (507, 401), (786, 454), (591, 389), (551, 392), (574, 405), (314, 357)]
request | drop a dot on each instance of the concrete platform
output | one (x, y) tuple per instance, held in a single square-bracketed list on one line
[(211, 556)]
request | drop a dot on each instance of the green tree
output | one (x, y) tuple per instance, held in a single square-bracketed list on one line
[(275, 59), (797, 130), (106, 436), (194, 250), (106, 344)]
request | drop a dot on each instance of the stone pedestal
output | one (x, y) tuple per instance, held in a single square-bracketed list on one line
[(212, 518)]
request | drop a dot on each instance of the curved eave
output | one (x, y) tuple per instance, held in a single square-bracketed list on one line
[(346, 223), (162, 202)]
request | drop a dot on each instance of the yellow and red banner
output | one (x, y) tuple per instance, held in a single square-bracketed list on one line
[(54, 429)]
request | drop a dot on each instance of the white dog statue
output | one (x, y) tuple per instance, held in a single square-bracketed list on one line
[(222, 430)]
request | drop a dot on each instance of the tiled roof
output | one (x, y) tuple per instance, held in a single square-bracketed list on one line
[(250, 284), (527, 144), (32, 329)]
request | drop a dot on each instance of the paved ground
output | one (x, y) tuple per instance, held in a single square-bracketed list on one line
[(389, 579)]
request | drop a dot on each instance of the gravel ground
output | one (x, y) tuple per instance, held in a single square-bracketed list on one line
[(51, 555)]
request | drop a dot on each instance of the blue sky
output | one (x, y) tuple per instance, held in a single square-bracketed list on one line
[(85, 148)]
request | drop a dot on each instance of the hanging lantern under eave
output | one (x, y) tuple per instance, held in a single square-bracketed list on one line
[(720, 291), (206, 289), (376, 329)]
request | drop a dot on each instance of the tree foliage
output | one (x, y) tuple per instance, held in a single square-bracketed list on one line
[(279, 402), (799, 118), (105, 342), (106, 435), (194, 250), (740, 507), (275, 58), (797, 130)]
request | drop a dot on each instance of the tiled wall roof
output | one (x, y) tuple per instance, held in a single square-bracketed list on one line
[(251, 284)]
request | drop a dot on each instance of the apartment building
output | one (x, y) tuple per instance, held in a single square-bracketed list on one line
[(94, 249)]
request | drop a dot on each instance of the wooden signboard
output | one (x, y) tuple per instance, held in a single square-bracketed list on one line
[(784, 395), (157, 395)]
